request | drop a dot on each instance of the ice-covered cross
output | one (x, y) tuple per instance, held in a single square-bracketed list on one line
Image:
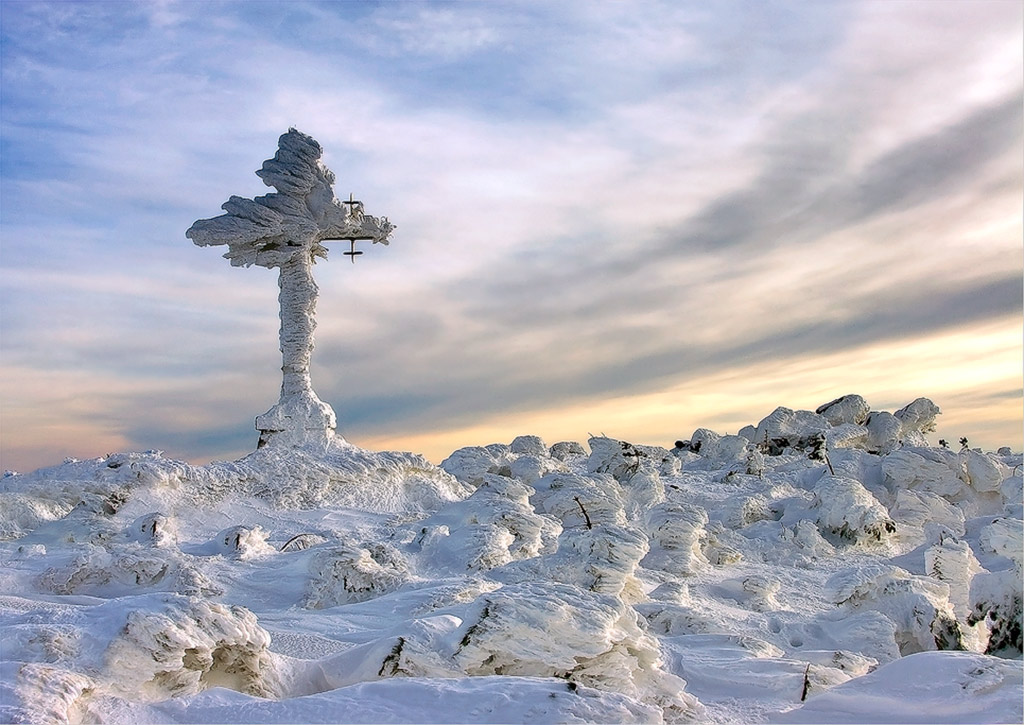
[(287, 230)]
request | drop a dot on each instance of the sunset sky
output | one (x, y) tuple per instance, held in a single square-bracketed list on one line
[(630, 218)]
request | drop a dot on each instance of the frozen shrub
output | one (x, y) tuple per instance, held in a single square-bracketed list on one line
[(996, 596), (705, 442), (153, 528), (529, 468), (244, 542), (848, 511), (951, 560), (99, 572), (495, 525), (996, 599), (674, 592), (671, 465), (918, 606), (46, 694), (783, 428), (642, 492), (580, 500), (718, 449), (344, 574), (806, 537), (740, 511), (678, 537), (600, 559), (621, 459)]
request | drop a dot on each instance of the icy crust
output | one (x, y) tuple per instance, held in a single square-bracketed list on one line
[(724, 579)]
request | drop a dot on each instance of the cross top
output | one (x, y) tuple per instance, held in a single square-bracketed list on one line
[(287, 230), (269, 230)]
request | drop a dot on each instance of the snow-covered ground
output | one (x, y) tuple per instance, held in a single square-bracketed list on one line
[(825, 566)]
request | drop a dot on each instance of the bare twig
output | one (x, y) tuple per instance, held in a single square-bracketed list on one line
[(585, 514)]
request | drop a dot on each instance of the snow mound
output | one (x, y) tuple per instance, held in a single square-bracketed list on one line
[(975, 689), (344, 476)]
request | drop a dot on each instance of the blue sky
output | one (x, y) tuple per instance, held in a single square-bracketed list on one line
[(629, 218)]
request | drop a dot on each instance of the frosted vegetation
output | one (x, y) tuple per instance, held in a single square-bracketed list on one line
[(826, 566)]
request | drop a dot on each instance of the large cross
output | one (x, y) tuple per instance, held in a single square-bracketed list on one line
[(287, 230)]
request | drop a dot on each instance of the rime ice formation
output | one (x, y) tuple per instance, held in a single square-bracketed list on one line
[(287, 230), (824, 579)]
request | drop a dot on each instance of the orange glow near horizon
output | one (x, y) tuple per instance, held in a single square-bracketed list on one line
[(987, 407), (888, 375)]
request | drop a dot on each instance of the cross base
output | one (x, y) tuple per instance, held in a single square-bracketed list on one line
[(300, 421)]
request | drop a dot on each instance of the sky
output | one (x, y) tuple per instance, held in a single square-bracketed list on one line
[(634, 219)]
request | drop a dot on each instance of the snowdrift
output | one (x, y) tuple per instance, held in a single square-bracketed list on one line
[(825, 566)]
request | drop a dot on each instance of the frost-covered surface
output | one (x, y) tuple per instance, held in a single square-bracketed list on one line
[(823, 566)]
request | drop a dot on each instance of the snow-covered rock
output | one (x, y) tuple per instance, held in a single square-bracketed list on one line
[(912, 470), (528, 446), (885, 432), (916, 420), (469, 464), (983, 473), (784, 427), (566, 450), (919, 508), (849, 409)]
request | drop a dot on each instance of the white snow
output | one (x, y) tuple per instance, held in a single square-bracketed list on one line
[(823, 566)]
